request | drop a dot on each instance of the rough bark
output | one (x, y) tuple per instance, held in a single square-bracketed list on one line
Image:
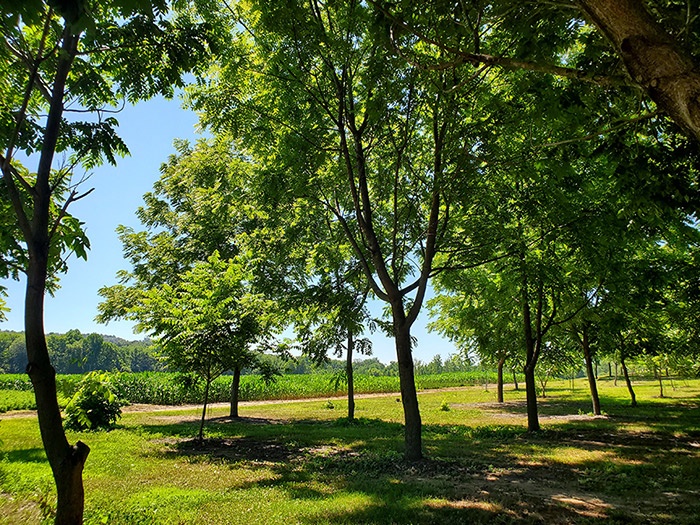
[(652, 57), (588, 358), (235, 389), (628, 382), (351, 382), (501, 362)]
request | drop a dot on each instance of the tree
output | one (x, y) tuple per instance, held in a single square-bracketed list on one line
[(337, 121), (332, 320), (475, 309), (206, 322), (57, 54), (200, 211)]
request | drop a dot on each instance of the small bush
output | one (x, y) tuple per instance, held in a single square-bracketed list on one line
[(94, 405)]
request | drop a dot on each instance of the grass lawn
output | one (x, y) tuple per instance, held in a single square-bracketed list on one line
[(300, 462)]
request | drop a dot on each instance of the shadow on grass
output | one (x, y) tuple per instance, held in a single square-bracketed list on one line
[(29, 455), (484, 474)]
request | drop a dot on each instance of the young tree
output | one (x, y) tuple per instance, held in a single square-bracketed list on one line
[(207, 322), (476, 310)]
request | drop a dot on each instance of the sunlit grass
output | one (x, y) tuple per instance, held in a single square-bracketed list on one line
[(302, 462)]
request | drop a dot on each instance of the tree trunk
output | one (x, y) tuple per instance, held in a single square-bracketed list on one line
[(661, 383), (235, 389), (588, 358), (515, 379), (409, 395), (615, 380), (652, 57), (200, 436), (628, 382), (66, 461), (351, 383), (501, 362), (533, 422)]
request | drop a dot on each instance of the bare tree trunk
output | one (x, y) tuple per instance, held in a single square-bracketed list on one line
[(533, 422), (351, 381), (501, 362), (661, 383), (200, 436), (409, 396), (66, 461), (628, 382), (652, 57), (588, 358), (235, 390), (615, 380), (515, 379)]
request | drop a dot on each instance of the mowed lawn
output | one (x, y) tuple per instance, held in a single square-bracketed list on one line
[(301, 463)]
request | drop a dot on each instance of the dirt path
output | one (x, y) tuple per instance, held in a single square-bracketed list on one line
[(142, 407)]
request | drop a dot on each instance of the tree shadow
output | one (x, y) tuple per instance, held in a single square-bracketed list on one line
[(478, 474), (28, 455)]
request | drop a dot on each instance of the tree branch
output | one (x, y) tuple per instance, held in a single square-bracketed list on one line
[(476, 59)]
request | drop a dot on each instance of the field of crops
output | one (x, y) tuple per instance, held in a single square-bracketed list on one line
[(162, 388)]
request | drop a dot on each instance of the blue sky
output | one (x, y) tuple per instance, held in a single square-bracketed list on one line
[(148, 129)]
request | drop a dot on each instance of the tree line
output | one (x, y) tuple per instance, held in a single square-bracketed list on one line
[(76, 353)]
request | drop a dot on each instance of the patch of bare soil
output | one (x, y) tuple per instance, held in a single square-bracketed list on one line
[(238, 449)]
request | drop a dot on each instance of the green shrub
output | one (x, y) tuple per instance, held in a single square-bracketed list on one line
[(94, 405)]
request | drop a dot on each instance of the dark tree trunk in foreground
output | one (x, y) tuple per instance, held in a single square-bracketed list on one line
[(628, 382), (501, 362), (351, 382), (409, 395), (235, 390), (588, 358), (652, 57), (66, 461)]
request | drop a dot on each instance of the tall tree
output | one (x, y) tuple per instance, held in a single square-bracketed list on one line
[(55, 55), (338, 120)]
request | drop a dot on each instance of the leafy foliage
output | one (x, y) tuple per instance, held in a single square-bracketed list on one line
[(94, 406)]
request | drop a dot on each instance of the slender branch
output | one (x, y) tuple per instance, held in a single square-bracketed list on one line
[(73, 197), (34, 73)]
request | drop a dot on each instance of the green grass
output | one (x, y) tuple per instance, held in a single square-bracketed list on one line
[(301, 462)]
